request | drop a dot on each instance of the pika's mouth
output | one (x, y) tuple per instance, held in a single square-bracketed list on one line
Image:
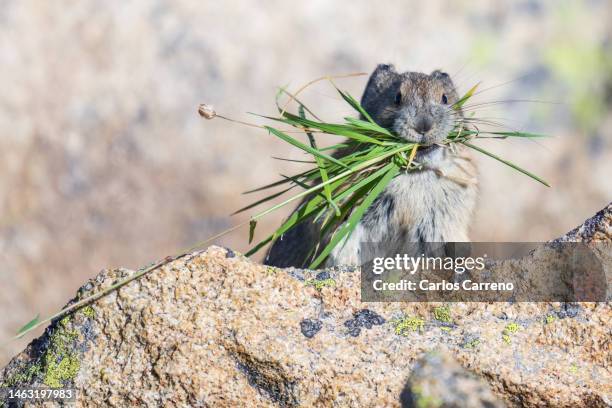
[(427, 150)]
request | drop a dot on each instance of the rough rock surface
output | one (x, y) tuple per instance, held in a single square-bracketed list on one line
[(215, 329)]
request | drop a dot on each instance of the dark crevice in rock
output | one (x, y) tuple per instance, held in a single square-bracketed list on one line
[(269, 378)]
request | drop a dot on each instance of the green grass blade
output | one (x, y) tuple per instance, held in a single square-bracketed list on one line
[(334, 147), (517, 134), (506, 162), (302, 146), (28, 326), (392, 170), (293, 160), (330, 223), (306, 186), (302, 213), (263, 200), (362, 124), (252, 226), (305, 174), (464, 98), (321, 165), (356, 105), (329, 128)]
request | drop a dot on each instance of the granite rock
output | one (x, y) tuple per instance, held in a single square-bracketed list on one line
[(210, 329)]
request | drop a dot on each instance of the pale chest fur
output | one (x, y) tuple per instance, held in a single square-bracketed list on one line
[(433, 205)]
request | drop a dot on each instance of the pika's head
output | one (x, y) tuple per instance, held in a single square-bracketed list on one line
[(415, 106)]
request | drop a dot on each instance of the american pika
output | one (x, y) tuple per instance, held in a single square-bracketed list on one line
[(434, 204)]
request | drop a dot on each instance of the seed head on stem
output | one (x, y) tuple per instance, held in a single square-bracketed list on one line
[(206, 111)]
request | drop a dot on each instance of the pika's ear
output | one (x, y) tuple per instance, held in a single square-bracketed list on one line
[(442, 76), (380, 80)]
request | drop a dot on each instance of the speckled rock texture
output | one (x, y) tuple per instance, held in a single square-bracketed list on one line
[(215, 329)]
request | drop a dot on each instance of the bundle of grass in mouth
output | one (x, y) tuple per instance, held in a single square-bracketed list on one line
[(340, 187)]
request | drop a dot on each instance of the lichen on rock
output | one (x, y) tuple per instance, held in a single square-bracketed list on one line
[(403, 326), (443, 314), (54, 359)]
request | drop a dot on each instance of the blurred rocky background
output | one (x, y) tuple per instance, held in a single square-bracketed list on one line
[(104, 161)]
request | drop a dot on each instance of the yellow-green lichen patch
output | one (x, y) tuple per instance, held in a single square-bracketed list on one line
[(446, 329), (443, 314), (320, 283), (271, 270), (22, 376), (550, 319), (509, 330), (89, 312), (59, 372), (408, 324), (573, 369), (60, 361)]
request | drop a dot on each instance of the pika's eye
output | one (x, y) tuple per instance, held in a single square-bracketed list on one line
[(444, 99), (398, 98)]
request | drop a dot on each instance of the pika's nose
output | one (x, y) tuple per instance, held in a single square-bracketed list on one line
[(423, 125)]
